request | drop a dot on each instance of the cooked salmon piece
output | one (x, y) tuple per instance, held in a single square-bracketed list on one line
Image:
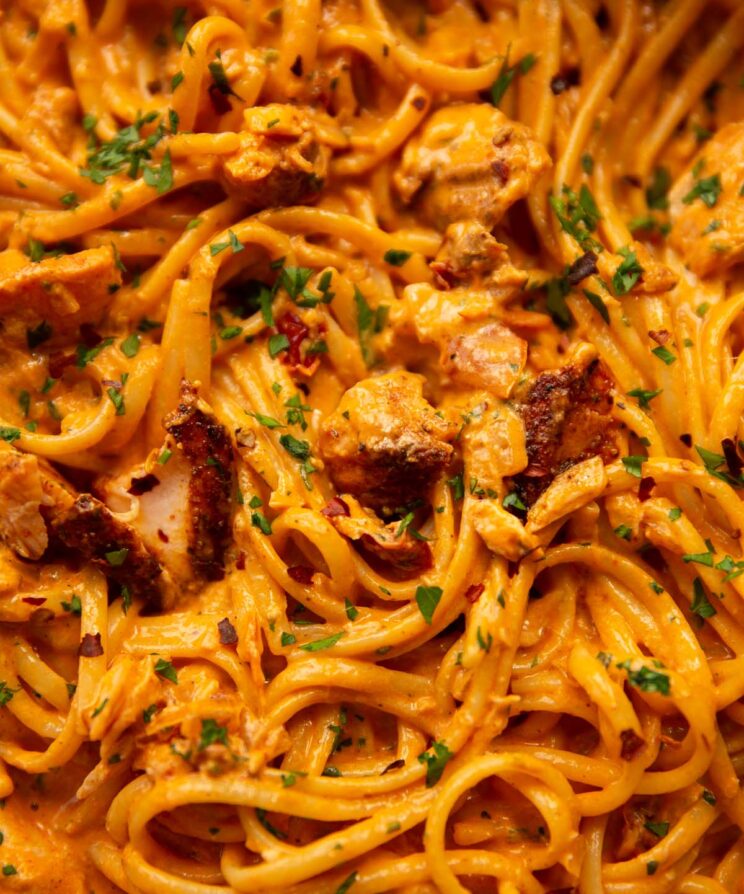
[(41, 511), (566, 415), (22, 527), (281, 160), (707, 207), (470, 162), (391, 546), (55, 111), (57, 292), (384, 443), (205, 444)]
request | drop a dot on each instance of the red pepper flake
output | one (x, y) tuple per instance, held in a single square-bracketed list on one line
[(58, 362), (686, 439), (395, 765), (296, 331), (644, 489), (34, 600), (163, 536), (240, 561), (473, 592), (228, 634), (335, 506), (91, 646), (302, 574), (220, 103), (419, 102), (660, 336), (733, 460), (631, 744), (89, 335)]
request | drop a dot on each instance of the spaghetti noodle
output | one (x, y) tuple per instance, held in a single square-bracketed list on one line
[(372, 450)]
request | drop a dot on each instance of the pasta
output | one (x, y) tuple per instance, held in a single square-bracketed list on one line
[(371, 451)]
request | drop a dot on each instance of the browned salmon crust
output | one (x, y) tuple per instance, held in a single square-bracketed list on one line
[(384, 443), (566, 414), (90, 529), (207, 447)]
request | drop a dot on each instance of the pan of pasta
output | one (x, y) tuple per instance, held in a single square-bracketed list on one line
[(371, 446)]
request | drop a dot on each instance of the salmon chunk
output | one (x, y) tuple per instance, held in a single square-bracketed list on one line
[(384, 443), (470, 162), (707, 206)]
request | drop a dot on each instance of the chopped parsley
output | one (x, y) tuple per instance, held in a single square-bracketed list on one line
[(85, 355), (633, 465), (160, 178), (267, 421), (149, 713), (117, 399), (656, 191), (259, 520), (211, 733), (352, 612), (664, 354), (512, 501), (117, 557), (166, 670), (325, 643), (699, 558), (427, 599), (435, 762), (296, 448), (645, 679), (74, 606), (457, 486), (707, 189), (346, 883), (596, 302), (6, 693), (220, 79), (129, 150), (644, 396), (659, 829), (369, 322), (700, 603), (628, 273), (229, 332), (178, 25), (578, 216), (396, 257), (277, 344), (507, 73), (131, 345)]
